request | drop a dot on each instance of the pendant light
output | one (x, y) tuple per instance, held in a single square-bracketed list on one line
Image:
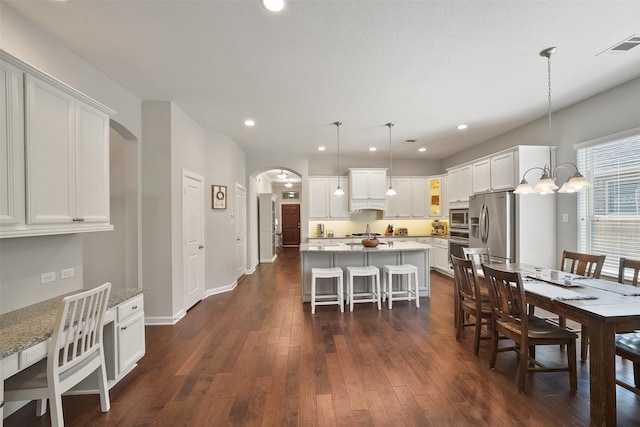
[(547, 182), (390, 191), (339, 191), (282, 175)]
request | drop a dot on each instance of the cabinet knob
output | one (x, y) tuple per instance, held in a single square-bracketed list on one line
[(201, 247), (123, 328), (135, 307)]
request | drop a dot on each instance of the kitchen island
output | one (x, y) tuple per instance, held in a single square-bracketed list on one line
[(344, 255)]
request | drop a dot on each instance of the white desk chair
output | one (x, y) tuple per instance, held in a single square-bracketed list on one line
[(75, 352), (371, 295), (409, 293)]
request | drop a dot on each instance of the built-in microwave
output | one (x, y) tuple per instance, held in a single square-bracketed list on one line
[(459, 218)]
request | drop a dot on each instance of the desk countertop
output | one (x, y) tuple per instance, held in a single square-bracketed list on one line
[(27, 326)]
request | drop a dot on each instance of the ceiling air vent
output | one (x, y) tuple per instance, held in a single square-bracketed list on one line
[(623, 46)]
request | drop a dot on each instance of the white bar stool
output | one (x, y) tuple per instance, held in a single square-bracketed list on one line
[(408, 294), (327, 299), (373, 295)]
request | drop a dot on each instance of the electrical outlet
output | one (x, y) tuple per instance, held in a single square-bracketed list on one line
[(48, 277), (66, 273)]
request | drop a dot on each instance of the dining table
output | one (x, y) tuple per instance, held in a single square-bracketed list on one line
[(606, 307)]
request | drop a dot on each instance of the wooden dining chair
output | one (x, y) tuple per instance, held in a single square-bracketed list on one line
[(478, 255), (512, 319), (628, 345), (631, 264), (75, 352), (587, 265), (470, 301)]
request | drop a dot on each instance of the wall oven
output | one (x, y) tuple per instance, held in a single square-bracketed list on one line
[(458, 231)]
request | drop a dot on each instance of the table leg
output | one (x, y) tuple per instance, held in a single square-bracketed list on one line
[(602, 365)]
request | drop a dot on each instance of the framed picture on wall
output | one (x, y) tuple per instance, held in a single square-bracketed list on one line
[(219, 196)]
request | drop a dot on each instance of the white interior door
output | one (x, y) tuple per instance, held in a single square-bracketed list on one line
[(193, 237), (241, 230)]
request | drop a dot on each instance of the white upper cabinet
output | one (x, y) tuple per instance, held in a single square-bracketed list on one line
[(481, 176), (460, 185), (11, 146), (419, 197), (399, 206), (437, 201), (323, 204), (503, 175), (64, 138), (367, 188)]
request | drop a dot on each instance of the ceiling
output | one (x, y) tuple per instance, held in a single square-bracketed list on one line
[(427, 66)]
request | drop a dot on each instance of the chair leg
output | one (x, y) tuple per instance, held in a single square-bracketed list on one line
[(377, 279), (571, 361), (459, 324), (313, 295), (584, 343), (103, 386), (341, 294), (494, 348), (57, 418), (350, 291), (476, 344), (562, 322), (415, 288), (522, 369)]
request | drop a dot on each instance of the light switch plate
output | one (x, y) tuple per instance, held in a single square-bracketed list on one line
[(565, 217)]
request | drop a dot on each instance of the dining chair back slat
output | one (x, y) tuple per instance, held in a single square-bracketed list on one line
[(588, 265), (633, 265)]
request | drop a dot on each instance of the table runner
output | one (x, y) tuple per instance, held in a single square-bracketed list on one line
[(605, 285), (553, 292)]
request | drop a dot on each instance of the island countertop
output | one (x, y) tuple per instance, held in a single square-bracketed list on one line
[(358, 247)]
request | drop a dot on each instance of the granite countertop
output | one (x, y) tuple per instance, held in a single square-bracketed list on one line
[(357, 247), (27, 326)]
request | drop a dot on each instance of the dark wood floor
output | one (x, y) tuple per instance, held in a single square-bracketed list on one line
[(256, 356)]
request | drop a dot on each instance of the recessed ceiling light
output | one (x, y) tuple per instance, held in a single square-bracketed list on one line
[(462, 127), (372, 149), (249, 123), (321, 148), (422, 149), (273, 5)]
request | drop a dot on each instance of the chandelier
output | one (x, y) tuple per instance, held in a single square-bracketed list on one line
[(547, 182)]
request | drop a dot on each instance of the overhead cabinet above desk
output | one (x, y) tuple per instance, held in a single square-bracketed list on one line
[(57, 155)]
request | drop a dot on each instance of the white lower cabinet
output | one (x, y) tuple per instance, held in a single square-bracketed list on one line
[(130, 334), (441, 255)]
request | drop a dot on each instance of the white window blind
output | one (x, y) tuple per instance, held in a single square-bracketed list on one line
[(609, 211)]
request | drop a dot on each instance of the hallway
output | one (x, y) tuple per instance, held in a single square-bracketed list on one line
[(256, 356)]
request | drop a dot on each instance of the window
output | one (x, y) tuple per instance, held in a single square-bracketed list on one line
[(609, 211)]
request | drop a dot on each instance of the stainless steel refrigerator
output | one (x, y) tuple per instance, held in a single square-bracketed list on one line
[(492, 224)]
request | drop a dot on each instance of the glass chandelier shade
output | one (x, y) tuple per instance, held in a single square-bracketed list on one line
[(282, 175)]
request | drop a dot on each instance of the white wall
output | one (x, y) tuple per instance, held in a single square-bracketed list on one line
[(327, 165), (226, 166), (607, 113)]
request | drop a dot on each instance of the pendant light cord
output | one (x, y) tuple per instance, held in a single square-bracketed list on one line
[(390, 153), (549, 108), (338, 130)]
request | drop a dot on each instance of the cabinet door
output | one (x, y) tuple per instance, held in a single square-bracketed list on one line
[(131, 343), (377, 180), (434, 197), (482, 176), (339, 205), (359, 185), (503, 172), (403, 197), (92, 175), (419, 197), (51, 154), (11, 145), (466, 180), (318, 203), (454, 185), (444, 196)]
